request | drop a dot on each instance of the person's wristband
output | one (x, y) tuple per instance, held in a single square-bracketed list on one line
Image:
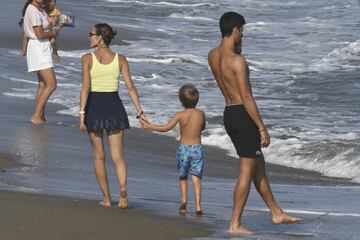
[(81, 113), (262, 130), (139, 114)]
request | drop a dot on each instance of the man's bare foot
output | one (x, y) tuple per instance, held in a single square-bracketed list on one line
[(105, 203), (240, 230), (284, 218), (123, 201), (37, 120)]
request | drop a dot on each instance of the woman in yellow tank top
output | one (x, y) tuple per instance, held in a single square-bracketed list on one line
[(101, 108)]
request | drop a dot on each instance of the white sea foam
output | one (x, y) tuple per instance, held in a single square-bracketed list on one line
[(345, 58), (168, 59), (188, 17), (163, 3), (15, 79), (19, 94)]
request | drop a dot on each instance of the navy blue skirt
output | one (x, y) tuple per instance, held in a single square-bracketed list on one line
[(105, 111)]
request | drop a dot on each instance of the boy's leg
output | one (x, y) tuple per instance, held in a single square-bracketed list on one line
[(197, 192), (241, 193), (263, 187), (97, 144), (183, 186), (116, 143)]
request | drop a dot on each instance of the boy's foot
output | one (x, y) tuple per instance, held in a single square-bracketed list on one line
[(123, 201), (285, 218), (182, 208), (105, 203), (240, 230), (199, 212)]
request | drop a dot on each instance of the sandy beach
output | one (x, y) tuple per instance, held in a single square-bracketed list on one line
[(29, 216)]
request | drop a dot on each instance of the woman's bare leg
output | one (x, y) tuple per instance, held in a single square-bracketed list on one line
[(97, 144), (47, 85), (116, 142), (39, 91)]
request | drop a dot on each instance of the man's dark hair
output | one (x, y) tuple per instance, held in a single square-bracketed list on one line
[(228, 21), (189, 96)]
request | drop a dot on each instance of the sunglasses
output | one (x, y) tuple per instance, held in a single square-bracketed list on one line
[(92, 34)]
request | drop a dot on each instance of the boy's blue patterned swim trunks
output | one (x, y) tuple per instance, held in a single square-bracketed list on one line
[(190, 160)]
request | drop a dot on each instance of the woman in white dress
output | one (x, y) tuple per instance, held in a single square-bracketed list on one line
[(37, 28)]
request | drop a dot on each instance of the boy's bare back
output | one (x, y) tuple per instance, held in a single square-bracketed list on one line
[(192, 122)]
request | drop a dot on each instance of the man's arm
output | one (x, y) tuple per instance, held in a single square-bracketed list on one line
[(241, 71), (204, 121)]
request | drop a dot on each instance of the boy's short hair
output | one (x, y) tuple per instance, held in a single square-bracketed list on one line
[(189, 96)]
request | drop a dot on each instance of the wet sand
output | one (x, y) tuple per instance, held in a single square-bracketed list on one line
[(33, 217)]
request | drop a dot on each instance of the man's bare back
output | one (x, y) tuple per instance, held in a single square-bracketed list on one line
[(221, 62)]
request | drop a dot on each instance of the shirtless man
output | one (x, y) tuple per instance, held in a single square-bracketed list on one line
[(242, 122)]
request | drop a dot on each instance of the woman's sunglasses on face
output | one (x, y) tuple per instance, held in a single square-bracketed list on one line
[(92, 34)]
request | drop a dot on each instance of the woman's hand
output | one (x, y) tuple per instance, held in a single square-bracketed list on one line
[(82, 123), (144, 122), (22, 54)]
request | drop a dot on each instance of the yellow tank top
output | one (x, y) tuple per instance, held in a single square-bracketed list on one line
[(104, 77)]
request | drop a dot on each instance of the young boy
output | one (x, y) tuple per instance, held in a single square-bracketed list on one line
[(189, 155)]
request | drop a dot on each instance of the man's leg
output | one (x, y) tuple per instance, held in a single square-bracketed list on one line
[(263, 187), (241, 193)]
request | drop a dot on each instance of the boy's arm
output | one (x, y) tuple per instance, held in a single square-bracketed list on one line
[(162, 128)]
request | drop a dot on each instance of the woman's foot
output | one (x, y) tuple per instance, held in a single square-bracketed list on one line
[(105, 203), (123, 201)]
